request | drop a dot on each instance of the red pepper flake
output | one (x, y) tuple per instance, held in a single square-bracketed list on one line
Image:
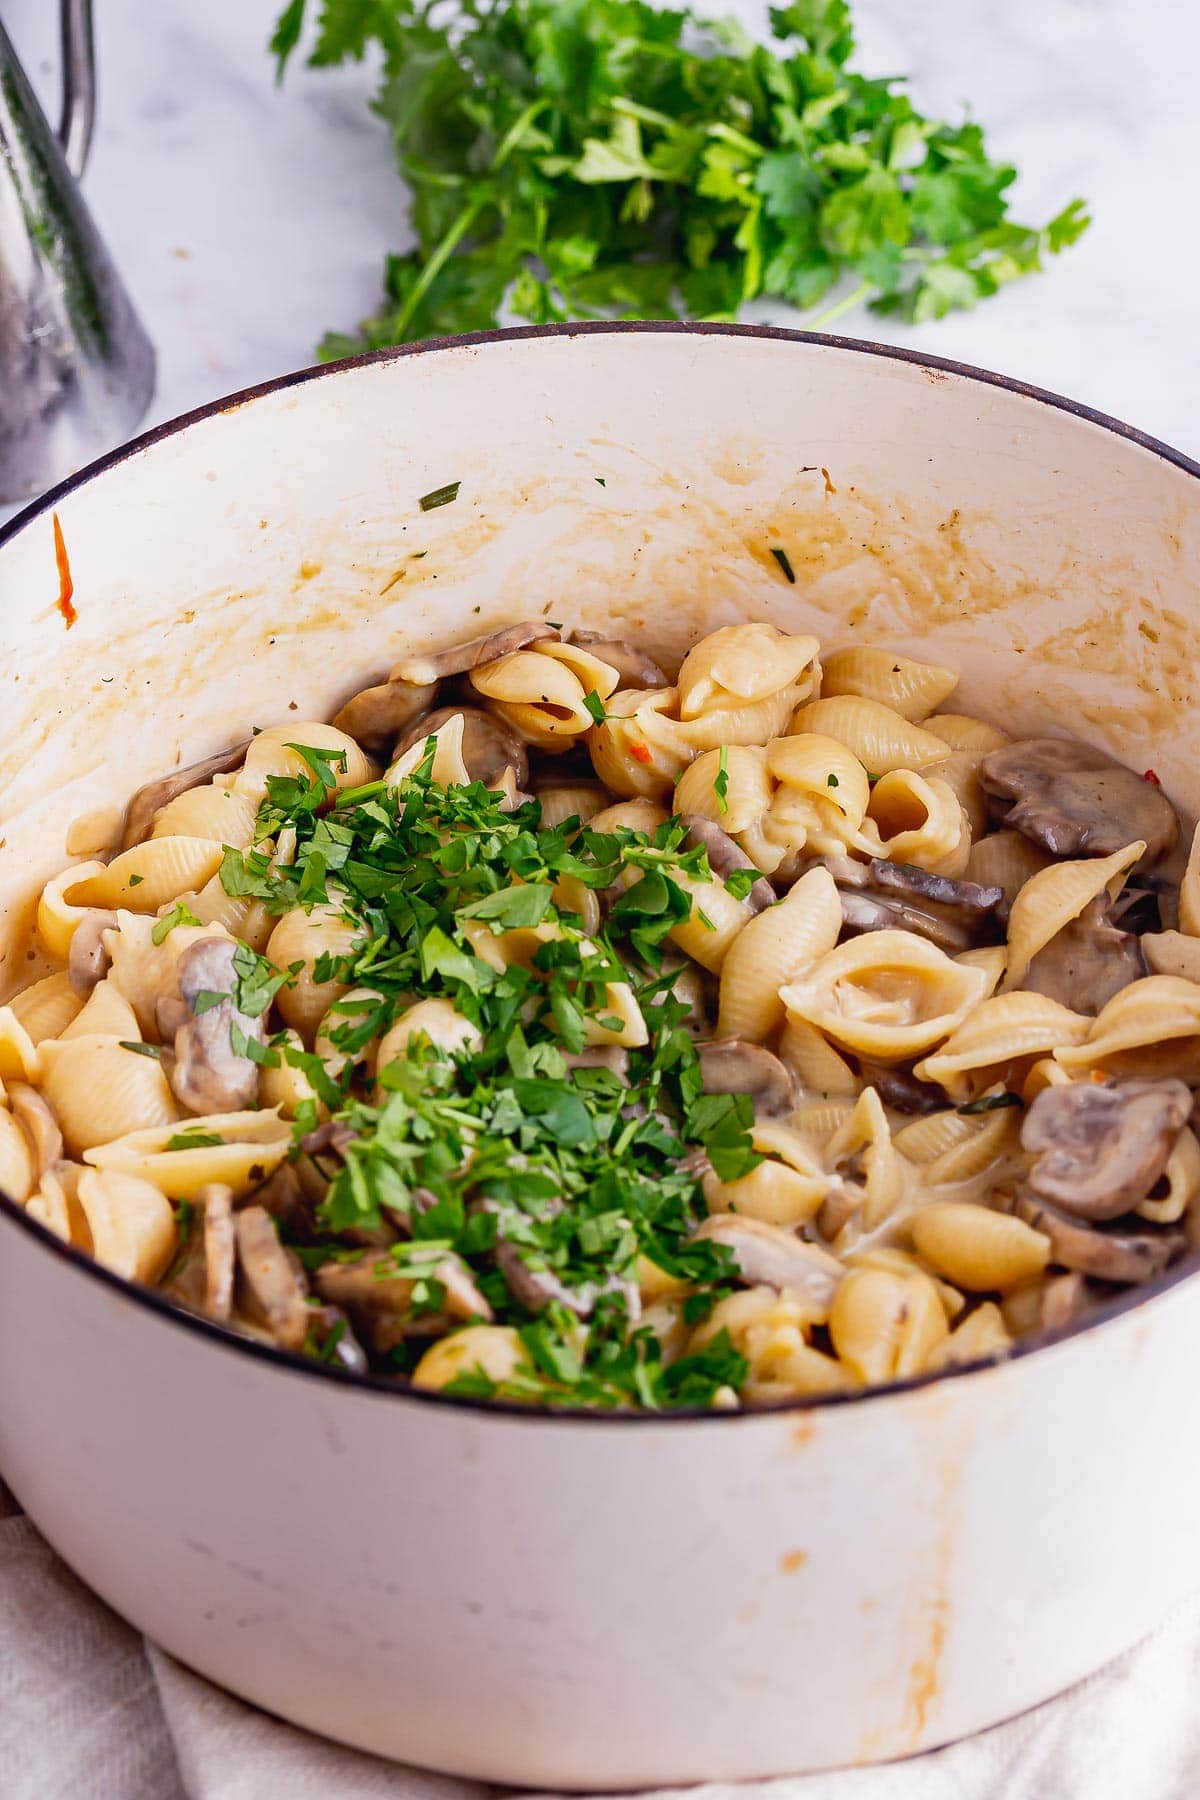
[(66, 586), (1152, 778), (640, 752)]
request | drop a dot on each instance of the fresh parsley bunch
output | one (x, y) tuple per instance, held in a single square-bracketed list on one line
[(604, 158)]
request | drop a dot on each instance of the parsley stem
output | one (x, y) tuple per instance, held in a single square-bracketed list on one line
[(863, 291), (433, 267)]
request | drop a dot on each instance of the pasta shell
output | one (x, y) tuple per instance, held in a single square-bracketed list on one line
[(886, 1326), (1189, 890), (20, 1057), (921, 822), (740, 663), (1054, 896), (863, 1146), (448, 769), (977, 1249), (252, 1146), (1006, 860), (214, 811), (437, 1022), (99, 1091), (912, 689), (960, 772), (305, 938), (786, 1189), (887, 995), (285, 1088), (150, 875), (641, 749), (877, 736), (713, 925), (814, 1062), (982, 1333), (247, 920), (107, 1014), (1152, 1027), (776, 947), (56, 1205), (492, 1350), (558, 804), (47, 1008), (131, 1224), (541, 691), (744, 794), (17, 1175), (268, 755), (60, 910), (1167, 953), (963, 732), (1001, 1031), (821, 766)]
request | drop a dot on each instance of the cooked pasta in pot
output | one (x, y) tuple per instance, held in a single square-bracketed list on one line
[(581, 1036)]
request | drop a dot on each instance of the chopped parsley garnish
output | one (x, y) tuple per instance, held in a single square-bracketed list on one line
[(990, 1103), (439, 496), (194, 1140), (721, 782), (178, 915), (785, 562), (578, 1170), (595, 706)]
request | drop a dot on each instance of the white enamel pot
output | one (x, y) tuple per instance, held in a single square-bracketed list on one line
[(584, 1601)]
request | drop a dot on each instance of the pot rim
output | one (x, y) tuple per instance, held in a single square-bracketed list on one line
[(517, 1411)]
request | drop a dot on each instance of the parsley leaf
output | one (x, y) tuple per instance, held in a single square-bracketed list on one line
[(605, 158)]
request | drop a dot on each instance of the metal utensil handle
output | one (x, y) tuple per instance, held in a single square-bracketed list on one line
[(78, 83)]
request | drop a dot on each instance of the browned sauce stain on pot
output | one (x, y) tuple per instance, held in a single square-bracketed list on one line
[(803, 1431), (791, 1560)]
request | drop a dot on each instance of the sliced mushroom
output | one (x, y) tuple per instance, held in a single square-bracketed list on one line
[(459, 658), (601, 1056), (375, 716), (725, 858), (489, 746), (900, 1089), (209, 1075), (335, 1340), (635, 668), (270, 1288), (769, 1256), (1063, 1300), (1087, 962), (38, 1123), (1105, 1255), (377, 1295), (1098, 1149), (203, 1277), (729, 1066), (1074, 800), (537, 1288), (139, 814), (883, 896), (283, 1196), (88, 961)]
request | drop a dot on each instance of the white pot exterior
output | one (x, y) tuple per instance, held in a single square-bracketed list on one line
[(579, 1602)]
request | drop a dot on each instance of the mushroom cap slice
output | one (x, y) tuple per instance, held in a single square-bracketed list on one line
[(377, 1294), (39, 1124), (1074, 800), (768, 1256), (900, 1089), (635, 668), (1124, 1257), (88, 960), (726, 858), (459, 658), (882, 895), (139, 814), (731, 1066), (209, 1075), (375, 716), (1098, 1150), (203, 1278), (270, 1288), (1087, 962), (489, 745)]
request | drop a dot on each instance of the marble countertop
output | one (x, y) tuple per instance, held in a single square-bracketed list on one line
[(247, 219)]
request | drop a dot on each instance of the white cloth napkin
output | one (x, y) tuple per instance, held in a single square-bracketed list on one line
[(90, 1711)]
